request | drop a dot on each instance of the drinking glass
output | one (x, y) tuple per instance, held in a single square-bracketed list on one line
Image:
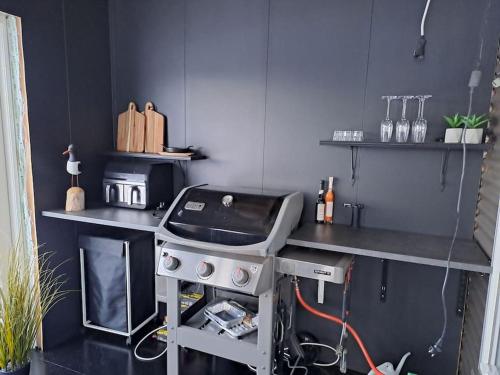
[(419, 127), (386, 125), (357, 136), (403, 125), (343, 135)]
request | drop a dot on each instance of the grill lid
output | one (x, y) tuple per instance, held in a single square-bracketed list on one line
[(215, 215)]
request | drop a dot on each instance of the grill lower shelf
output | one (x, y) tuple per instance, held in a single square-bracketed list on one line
[(199, 320), (242, 350)]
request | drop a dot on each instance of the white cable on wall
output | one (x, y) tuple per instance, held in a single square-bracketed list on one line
[(424, 17), (437, 347), (474, 81)]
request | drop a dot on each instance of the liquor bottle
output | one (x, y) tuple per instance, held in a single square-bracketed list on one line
[(329, 201), (320, 204)]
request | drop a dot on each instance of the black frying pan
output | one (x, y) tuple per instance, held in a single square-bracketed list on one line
[(178, 150)]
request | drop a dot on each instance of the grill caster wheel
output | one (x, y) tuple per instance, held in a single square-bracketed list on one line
[(128, 341)]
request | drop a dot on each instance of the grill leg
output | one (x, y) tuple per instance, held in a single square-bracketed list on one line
[(173, 312), (265, 338)]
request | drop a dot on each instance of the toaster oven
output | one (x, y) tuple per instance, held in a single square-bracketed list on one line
[(137, 184)]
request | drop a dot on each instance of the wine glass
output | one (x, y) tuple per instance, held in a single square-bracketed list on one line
[(386, 125), (403, 125), (419, 127)]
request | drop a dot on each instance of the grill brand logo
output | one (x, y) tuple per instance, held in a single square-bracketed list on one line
[(194, 206), (321, 272)]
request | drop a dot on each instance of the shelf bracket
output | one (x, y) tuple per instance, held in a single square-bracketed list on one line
[(321, 291), (354, 163), (462, 293), (383, 281), (444, 168)]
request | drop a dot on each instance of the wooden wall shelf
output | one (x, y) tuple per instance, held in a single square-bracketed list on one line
[(138, 155)]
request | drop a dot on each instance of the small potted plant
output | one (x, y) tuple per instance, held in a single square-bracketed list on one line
[(474, 128), (24, 302), (454, 131)]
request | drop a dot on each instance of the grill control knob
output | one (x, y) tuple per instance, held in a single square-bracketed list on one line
[(204, 269), (171, 263), (240, 276)]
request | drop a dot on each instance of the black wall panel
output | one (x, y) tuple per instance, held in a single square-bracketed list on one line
[(257, 84), (317, 74), (395, 184), (147, 55), (66, 47), (225, 89)]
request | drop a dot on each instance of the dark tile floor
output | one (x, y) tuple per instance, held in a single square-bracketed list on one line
[(99, 354)]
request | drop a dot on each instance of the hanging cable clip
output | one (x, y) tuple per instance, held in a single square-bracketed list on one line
[(419, 51), (343, 362)]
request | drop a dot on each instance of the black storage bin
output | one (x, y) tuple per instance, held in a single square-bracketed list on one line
[(118, 282)]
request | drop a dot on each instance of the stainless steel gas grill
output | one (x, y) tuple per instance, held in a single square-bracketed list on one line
[(241, 221), (225, 239)]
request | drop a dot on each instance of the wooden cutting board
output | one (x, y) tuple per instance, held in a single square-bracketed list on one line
[(155, 129), (131, 127)]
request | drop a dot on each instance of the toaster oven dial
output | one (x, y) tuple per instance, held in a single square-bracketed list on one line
[(204, 270), (240, 276), (171, 263)]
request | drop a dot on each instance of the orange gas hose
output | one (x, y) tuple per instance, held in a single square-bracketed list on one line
[(334, 319)]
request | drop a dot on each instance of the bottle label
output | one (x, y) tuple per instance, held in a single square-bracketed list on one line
[(329, 209), (320, 212)]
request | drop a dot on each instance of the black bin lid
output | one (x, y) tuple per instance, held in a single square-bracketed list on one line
[(200, 215)]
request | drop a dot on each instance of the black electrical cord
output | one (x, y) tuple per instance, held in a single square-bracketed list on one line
[(437, 347), (474, 81)]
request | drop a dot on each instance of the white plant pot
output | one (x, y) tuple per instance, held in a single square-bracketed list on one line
[(453, 135), (474, 136)]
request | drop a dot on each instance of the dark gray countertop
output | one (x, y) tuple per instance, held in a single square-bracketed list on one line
[(111, 216), (393, 245), (379, 243)]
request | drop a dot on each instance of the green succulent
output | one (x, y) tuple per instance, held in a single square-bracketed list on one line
[(455, 121), (475, 121)]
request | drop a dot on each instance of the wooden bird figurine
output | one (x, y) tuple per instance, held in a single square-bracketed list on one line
[(75, 196), (73, 165)]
